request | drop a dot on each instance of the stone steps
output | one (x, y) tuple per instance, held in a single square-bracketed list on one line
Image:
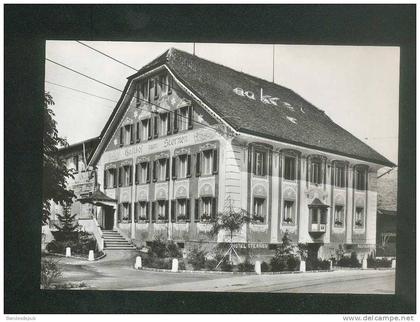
[(114, 240)]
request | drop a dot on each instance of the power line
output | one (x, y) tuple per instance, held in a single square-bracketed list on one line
[(106, 55), (80, 91), (91, 78)]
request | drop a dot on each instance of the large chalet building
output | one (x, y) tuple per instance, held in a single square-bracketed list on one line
[(190, 137)]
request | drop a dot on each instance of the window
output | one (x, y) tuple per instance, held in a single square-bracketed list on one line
[(360, 179), (358, 221), (183, 118), (319, 215), (339, 176), (144, 172), (144, 92), (289, 168), (162, 170), (145, 129), (111, 180), (288, 213), (259, 163), (142, 211), (207, 207), (316, 172), (161, 210), (182, 170), (163, 129), (339, 216), (151, 89), (127, 175), (207, 162), (258, 210), (125, 211), (74, 163), (127, 135)]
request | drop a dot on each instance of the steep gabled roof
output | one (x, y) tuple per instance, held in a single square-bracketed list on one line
[(294, 120)]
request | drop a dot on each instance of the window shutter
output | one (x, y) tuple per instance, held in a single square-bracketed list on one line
[(120, 176), (190, 117), (215, 162), (187, 206), (198, 164), (137, 174), (174, 172), (167, 169), (189, 166), (196, 209), (153, 211), (168, 123), (166, 209), (154, 171), (264, 163), (115, 177), (214, 207), (132, 134), (173, 204), (121, 136), (270, 164), (249, 160), (138, 132), (131, 175), (175, 127), (105, 179), (254, 159), (148, 211), (148, 172), (136, 211), (149, 129), (155, 126), (129, 211)]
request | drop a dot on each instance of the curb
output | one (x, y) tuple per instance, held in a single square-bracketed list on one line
[(78, 257)]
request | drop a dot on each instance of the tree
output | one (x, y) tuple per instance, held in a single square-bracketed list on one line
[(55, 172), (231, 220), (67, 221)]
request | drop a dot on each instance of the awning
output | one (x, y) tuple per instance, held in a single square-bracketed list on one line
[(96, 198), (316, 203)]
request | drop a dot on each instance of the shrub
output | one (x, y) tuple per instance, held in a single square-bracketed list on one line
[(197, 258), (156, 262), (351, 261), (55, 247), (181, 266), (49, 272), (378, 263), (163, 249), (278, 264), (245, 267), (265, 267), (226, 266), (210, 264), (317, 264), (293, 263), (172, 250)]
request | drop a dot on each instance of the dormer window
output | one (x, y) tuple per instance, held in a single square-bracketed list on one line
[(183, 118)]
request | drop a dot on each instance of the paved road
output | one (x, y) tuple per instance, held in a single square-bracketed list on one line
[(116, 272)]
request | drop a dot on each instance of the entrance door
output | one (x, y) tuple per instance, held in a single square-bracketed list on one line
[(109, 218)]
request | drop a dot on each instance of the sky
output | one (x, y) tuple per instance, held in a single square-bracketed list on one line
[(356, 86)]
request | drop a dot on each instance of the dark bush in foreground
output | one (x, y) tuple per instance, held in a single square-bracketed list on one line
[(49, 272), (156, 262), (245, 267), (351, 261), (265, 267), (197, 258), (80, 246), (378, 263), (317, 264)]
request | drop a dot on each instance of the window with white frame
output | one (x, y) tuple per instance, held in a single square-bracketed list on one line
[(360, 178), (183, 118), (339, 176), (260, 158), (207, 162), (127, 174), (206, 206), (359, 217), (127, 134), (339, 216), (258, 209), (290, 168), (125, 211), (142, 212), (288, 211), (163, 128), (161, 209), (161, 169), (143, 172), (316, 171), (145, 129), (182, 166), (182, 207), (111, 178)]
